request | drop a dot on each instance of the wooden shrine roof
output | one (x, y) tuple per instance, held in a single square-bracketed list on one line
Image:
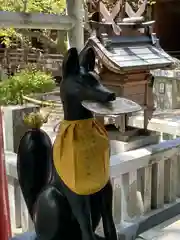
[(120, 54)]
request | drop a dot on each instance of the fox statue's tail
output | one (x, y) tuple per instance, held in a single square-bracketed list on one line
[(34, 165)]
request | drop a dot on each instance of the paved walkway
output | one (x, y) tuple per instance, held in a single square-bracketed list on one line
[(169, 230)]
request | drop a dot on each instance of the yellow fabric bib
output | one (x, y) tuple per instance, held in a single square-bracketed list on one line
[(81, 155)]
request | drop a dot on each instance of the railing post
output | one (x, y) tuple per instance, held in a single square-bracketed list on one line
[(116, 184), (158, 184), (170, 169), (131, 207), (144, 186)]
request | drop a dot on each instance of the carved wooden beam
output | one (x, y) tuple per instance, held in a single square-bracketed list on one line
[(131, 13), (109, 17)]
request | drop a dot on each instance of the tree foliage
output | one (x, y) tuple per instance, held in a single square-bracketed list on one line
[(45, 6), (25, 82), (42, 6)]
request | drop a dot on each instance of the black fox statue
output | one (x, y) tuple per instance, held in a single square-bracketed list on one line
[(66, 186)]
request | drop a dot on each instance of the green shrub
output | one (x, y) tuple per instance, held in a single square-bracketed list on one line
[(26, 82)]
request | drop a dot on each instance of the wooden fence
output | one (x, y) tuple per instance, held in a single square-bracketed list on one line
[(13, 59), (145, 182)]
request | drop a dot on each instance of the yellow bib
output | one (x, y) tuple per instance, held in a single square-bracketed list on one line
[(81, 155)]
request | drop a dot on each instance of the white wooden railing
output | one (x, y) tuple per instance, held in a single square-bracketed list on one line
[(144, 181)]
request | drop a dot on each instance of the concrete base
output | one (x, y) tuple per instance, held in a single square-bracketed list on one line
[(133, 143), (128, 134)]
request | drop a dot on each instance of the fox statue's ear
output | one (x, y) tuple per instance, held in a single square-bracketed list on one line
[(88, 60), (70, 64)]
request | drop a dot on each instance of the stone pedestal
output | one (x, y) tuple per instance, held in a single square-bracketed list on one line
[(134, 142), (14, 127)]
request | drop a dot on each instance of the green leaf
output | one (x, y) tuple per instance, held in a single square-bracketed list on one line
[(26, 82), (46, 6)]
